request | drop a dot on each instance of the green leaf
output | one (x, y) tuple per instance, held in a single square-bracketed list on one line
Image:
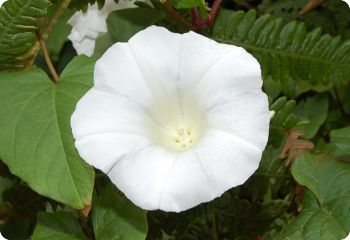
[(102, 44), (57, 226), (123, 24), (327, 206), (19, 19), (115, 217), (312, 113), (286, 52), (189, 3), (35, 134), (341, 138)]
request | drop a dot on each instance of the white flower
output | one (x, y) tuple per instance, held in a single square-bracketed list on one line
[(2, 2), (89, 26), (1, 237), (347, 2), (347, 238), (173, 119)]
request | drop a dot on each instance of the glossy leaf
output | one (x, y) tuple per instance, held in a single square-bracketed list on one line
[(35, 134)]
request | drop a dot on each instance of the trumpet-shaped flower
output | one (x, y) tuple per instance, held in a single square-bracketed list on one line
[(88, 26), (173, 119), (347, 2), (2, 2)]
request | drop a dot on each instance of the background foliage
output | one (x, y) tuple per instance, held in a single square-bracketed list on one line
[(302, 187)]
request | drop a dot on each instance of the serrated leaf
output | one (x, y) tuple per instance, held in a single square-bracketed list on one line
[(57, 226), (327, 207), (19, 19), (115, 217), (287, 52), (35, 134), (123, 24)]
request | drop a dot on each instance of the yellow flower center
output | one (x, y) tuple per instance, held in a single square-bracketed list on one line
[(178, 126)]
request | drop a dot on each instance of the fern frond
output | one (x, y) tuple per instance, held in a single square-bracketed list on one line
[(283, 114), (19, 19), (286, 50)]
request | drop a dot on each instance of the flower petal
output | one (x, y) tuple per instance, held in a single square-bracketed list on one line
[(198, 55), (101, 111), (104, 120), (156, 52), (228, 160), (85, 46), (141, 174), (187, 185), (104, 150), (122, 76), (232, 75), (247, 117)]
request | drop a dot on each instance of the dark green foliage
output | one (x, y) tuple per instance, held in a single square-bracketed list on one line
[(326, 207), (287, 52), (19, 19)]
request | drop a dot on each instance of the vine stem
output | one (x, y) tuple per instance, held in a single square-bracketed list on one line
[(31, 54), (47, 56), (213, 12), (176, 15), (197, 22)]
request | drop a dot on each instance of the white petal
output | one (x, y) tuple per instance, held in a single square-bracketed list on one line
[(228, 160), (2, 2), (141, 175), (155, 51), (85, 46), (110, 5), (104, 112), (247, 117), (198, 55), (107, 127), (104, 150), (234, 74), (122, 75), (187, 185)]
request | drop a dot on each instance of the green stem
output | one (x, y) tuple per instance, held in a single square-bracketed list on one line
[(31, 54)]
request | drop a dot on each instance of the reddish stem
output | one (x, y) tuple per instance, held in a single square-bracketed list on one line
[(195, 15), (176, 15), (197, 22), (213, 12)]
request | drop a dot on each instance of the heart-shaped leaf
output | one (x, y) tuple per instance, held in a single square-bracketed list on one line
[(35, 134), (326, 209)]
